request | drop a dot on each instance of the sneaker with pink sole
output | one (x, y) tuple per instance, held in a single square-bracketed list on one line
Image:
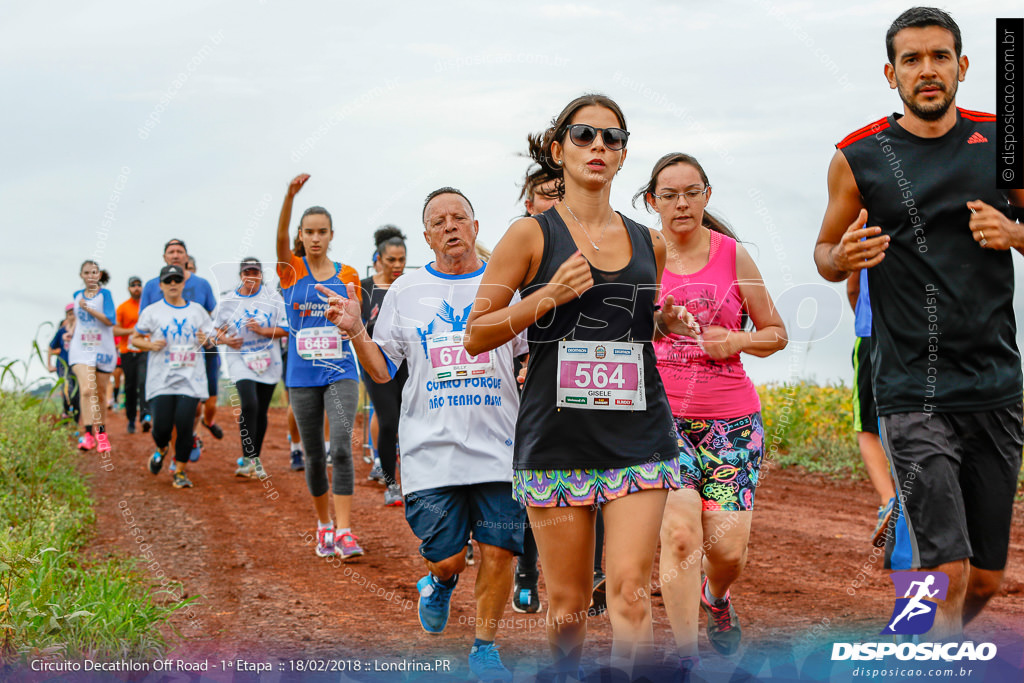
[(102, 443), (86, 442)]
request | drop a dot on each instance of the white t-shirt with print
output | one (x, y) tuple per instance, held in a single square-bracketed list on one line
[(259, 359), (452, 432), (178, 368)]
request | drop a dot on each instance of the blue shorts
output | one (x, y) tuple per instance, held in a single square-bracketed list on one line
[(212, 359), (443, 518)]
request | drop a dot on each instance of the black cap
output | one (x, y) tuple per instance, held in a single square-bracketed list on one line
[(171, 271), (173, 241), (250, 263), (133, 279)]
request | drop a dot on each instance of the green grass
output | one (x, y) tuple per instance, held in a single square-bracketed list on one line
[(54, 598)]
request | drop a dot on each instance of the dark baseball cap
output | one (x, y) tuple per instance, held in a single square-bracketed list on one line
[(250, 263), (168, 272), (134, 279), (172, 242)]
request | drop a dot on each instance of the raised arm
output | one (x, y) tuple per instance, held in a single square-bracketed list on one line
[(513, 263), (841, 247), (284, 245)]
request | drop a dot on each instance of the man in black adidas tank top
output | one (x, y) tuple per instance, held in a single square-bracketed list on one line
[(913, 197)]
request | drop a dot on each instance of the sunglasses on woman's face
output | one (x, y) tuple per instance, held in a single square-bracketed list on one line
[(174, 280), (582, 135)]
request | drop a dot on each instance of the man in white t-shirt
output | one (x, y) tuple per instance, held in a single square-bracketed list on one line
[(457, 426)]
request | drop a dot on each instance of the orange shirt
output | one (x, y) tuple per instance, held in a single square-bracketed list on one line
[(127, 316)]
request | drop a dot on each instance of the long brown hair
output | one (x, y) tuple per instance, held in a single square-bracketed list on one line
[(540, 144), (710, 221)]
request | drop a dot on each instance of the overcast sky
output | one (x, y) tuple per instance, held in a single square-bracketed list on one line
[(126, 124)]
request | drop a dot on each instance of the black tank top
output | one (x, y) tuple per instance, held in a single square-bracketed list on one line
[(942, 307), (618, 308)]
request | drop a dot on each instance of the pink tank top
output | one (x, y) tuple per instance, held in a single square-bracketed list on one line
[(698, 386)]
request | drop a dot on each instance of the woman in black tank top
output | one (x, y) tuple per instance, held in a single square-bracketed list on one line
[(594, 424)]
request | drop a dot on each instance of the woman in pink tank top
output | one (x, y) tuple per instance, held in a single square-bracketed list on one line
[(715, 407)]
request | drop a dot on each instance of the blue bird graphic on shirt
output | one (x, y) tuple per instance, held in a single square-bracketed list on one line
[(447, 315)]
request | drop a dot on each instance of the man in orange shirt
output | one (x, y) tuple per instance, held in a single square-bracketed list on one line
[(133, 360)]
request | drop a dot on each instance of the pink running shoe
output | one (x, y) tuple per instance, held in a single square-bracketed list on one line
[(347, 545), (86, 442), (102, 443)]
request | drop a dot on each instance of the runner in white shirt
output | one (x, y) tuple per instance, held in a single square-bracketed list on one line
[(457, 426), (248, 320), (93, 355), (178, 330)]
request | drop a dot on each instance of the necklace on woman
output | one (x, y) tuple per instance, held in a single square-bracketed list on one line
[(592, 242)]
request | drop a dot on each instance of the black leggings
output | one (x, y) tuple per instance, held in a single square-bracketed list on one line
[(252, 414), (387, 406), (133, 363), (174, 412)]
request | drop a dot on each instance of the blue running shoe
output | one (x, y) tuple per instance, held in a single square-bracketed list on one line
[(197, 448), (156, 461), (881, 531), (435, 601), (485, 663)]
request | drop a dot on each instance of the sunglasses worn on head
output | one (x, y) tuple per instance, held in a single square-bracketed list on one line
[(582, 135), (176, 280)]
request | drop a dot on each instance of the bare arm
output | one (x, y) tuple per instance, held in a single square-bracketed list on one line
[(141, 342), (770, 335), (841, 247), (670, 318), (346, 315), (284, 245), (513, 263), (853, 289), (992, 229)]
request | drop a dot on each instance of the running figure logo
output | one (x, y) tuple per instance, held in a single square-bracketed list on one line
[(914, 613)]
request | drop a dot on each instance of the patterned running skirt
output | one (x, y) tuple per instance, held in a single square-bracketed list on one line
[(578, 488)]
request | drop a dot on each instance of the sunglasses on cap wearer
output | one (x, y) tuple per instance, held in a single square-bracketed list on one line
[(174, 280), (582, 135)]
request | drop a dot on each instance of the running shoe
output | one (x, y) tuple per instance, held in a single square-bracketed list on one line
[(246, 468), (298, 463), (102, 443), (325, 541), (131, 427), (347, 545), (485, 663), (525, 598), (197, 448), (723, 625), (376, 472), (181, 481), (86, 442), (470, 560), (258, 471), (599, 598), (435, 602), (147, 423), (156, 461), (882, 527), (215, 429), (393, 497)]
